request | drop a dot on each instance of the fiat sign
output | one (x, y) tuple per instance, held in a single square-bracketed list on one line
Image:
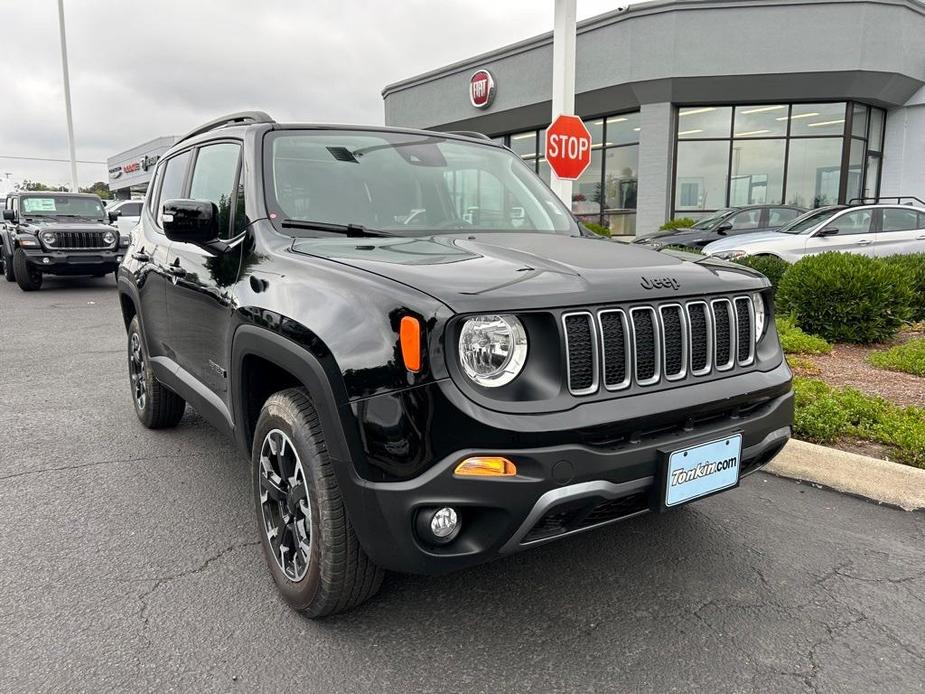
[(481, 89), (568, 147)]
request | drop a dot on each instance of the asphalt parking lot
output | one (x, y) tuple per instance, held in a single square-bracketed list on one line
[(129, 561)]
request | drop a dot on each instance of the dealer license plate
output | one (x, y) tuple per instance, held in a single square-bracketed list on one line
[(703, 469)]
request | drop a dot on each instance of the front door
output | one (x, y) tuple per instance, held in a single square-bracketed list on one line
[(201, 298), (854, 234)]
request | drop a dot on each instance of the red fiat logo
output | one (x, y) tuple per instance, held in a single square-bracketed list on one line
[(481, 89)]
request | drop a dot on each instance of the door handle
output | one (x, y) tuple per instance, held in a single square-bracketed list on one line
[(864, 242), (920, 238), (142, 256)]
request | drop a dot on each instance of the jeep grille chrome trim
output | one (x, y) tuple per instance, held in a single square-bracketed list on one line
[(674, 341), (745, 332), (615, 348), (700, 337), (581, 357), (723, 334), (646, 345)]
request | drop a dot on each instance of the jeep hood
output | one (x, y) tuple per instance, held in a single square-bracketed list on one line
[(508, 271), (66, 224)]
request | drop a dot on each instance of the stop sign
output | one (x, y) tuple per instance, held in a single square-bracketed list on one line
[(568, 147)]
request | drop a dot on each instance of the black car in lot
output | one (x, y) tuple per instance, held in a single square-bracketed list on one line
[(51, 233), (723, 223), (426, 359)]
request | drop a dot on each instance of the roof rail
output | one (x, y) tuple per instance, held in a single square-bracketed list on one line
[(240, 118), (469, 133), (898, 198)]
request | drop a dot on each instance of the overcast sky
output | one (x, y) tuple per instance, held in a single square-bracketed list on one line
[(144, 69)]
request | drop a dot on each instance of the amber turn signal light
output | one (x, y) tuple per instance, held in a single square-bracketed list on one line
[(410, 338), (486, 466)]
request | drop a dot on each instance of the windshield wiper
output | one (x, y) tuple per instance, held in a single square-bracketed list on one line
[(354, 230)]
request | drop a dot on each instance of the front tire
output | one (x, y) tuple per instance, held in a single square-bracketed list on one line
[(28, 277), (8, 269), (309, 544), (157, 407)]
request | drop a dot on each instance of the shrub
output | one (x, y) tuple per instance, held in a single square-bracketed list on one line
[(795, 341), (770, 266), (908, 357), (598, 229), (804, 365), (824, 414), (846, 298), (677, 223), (914, 267)]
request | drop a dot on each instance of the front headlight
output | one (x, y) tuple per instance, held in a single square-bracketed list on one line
[(730, 255), (492, 349), (48, 238), (109, 238), (758, 303)]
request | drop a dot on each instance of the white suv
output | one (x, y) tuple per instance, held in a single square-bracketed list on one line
[(129, 214), (876, 230)]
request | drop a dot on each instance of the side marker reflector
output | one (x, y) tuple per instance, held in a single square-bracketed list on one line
[(486, 466), (410, 338)]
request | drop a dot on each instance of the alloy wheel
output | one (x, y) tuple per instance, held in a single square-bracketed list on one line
[(136, 366), (285, 505)]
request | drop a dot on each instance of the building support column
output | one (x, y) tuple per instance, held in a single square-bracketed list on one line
[(656, 164)]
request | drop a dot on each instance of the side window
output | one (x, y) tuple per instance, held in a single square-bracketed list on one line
[(857, 222), (749, 219), (921, 220), (779, 216), (900, 220), (215, 179), (173, 178), (132, 209)]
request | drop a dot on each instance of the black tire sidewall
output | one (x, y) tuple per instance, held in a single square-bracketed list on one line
[(284, 416), (143, 414), (27, 278), (8, 269)]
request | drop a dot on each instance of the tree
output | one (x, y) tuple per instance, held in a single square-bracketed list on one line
[(99, 188), (36, 186)]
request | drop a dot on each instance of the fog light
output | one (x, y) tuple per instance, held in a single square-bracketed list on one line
[(46, 260), (438, 526), (486, 466)]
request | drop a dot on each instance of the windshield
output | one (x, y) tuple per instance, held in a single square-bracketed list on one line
[(708, 223), (61, 206), (405, 184), (808, 220)]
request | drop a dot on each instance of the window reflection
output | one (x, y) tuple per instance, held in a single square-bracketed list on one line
[(701, 180), (814, 172), (757, 172), (704, 121), (761, 121), (587, 196), (817, 119)]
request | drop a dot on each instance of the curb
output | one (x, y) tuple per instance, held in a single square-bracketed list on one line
[(898, 485)]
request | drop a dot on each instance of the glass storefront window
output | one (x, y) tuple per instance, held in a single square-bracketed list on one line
[(545, 171), (596, 128), (814, 172), (621, 224), (702, 168), (623, 129), (704, 121), (524, 144), (817, 119), (855, 169), (875, 139), (859, 120), (621, 177), (873, 176), (587, 196), (757, 175), (760, 121)]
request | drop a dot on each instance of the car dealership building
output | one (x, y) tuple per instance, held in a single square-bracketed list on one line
[(130, 171), (696, 105)]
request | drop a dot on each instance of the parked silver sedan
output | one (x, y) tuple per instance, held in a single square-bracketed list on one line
[(876, 230)]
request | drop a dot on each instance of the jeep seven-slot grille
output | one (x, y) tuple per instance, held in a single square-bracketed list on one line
[(646, 345), (80, 240)]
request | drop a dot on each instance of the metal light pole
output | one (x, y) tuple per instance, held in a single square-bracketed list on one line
[(563, 78), (67, 99)]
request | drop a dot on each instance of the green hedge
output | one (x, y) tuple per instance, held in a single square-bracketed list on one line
[(770, 266), (913, 266), (678, 223), (847, 298), (795, 341), (598, 229), (824, 414)]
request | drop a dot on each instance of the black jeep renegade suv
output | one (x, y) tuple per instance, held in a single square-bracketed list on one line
[(56, 234), (428, 361)]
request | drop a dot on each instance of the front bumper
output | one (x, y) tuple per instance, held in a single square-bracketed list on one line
[(560, 489), (68, 262)]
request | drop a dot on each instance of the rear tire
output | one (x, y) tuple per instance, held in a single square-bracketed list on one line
[(8, 269), (309, 544), (157, 407), (28, 277)]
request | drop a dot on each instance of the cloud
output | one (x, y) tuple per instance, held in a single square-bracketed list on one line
[(142, 70)]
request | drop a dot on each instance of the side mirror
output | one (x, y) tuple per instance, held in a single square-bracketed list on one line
[(9, 215), (190, 221), (114, 215), (828, 231), (723, 228)]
